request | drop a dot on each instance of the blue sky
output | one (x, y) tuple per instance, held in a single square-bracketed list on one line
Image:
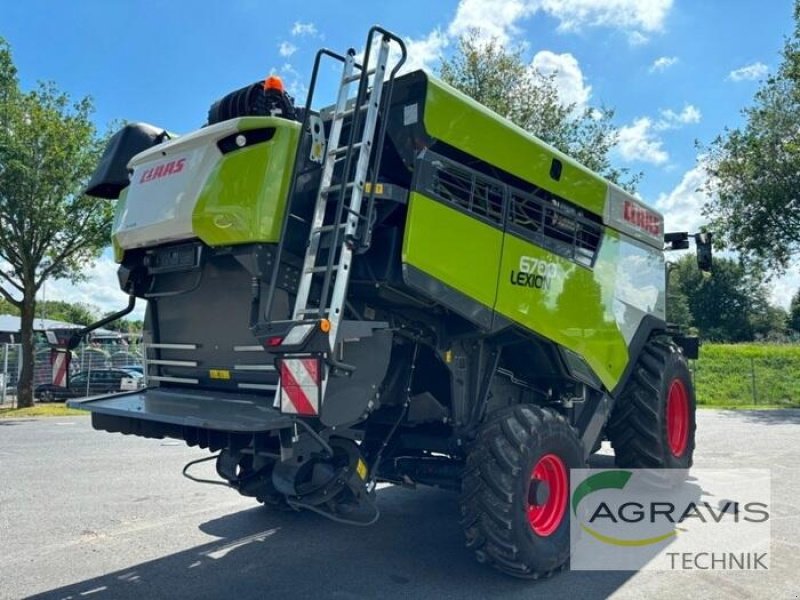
[(676, 71)]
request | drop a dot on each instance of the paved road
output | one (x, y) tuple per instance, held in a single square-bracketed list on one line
[(85, 514)]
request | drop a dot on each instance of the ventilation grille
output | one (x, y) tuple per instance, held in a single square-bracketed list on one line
[(468, 189), (554, 224), (537, 215)]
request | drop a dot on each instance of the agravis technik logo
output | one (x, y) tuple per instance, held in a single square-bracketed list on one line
[(668, 519)]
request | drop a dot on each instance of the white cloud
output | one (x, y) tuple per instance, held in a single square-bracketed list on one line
[(637, 38), (295, 84), (494, 18), (634, 15), (425, 52), (568, 77), (663, 63), (682, 206), (500, 18), (300, 29), (101, 289), (674, 120), (638, 142), (784, 288), (286, 49), (757, 70)]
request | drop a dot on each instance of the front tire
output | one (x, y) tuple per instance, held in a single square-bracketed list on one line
[(653, 424), (515, 491)]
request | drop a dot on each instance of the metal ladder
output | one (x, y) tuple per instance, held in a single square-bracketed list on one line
[(337, 212)]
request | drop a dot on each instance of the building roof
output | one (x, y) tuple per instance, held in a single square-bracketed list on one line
[(11, 324)]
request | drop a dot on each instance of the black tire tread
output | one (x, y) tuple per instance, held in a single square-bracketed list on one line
[(634, 428), (488, 486)]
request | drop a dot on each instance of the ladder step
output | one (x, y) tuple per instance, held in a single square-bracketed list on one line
[(310, 311), (336, 187), (320, 269), (343, 149), (350, 111), (326, 228), (357, 77)]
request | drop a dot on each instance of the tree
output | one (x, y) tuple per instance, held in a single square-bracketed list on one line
[(69, 312), (6, 308), (124, 325), (794, 313), (729, 305), (678, 311), (755, 170), (48, 228), (770, 323), (500, 79)]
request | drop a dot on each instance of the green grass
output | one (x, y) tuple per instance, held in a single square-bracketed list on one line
[(40, 410), (724, 374)]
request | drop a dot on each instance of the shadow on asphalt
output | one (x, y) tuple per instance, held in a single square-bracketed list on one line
[(415, 550), (778, 416)]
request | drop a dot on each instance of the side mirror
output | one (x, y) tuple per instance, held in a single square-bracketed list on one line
[(704, 254), (678, 240)]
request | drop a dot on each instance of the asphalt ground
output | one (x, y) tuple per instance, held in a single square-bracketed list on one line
[(85, 514)]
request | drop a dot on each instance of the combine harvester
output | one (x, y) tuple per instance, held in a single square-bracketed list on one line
[(401, 287)]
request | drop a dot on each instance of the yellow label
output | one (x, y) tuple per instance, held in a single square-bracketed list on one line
[(378, 188), (219, 373), (361, 469)]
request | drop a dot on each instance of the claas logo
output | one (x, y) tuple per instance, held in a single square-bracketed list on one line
[(163, 170), (641, 218)]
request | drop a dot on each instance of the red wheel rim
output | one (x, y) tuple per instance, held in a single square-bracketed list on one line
[(545, 518), (677, 418)]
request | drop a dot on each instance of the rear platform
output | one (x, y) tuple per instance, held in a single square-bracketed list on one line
[(165, 412)]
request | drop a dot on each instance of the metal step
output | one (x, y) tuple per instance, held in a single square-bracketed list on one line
[(321, 269), (352, 78), (338, 116), (312, 311), (343, 149), (336, 187), (328, 228)]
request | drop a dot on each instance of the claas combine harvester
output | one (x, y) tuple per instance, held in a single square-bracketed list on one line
[(402, 287)]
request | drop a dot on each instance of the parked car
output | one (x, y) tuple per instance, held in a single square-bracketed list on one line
[(91, 383)]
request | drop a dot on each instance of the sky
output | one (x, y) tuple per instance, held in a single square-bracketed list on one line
[(677, 72)]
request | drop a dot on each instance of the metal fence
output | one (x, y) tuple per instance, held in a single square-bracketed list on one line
[(86, 358), (723, 376), (9, 375), (742, 379)]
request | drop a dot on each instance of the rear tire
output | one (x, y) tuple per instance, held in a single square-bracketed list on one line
[(515, 490), (653, 424)]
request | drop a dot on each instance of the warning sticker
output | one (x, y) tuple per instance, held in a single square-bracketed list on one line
[(300, 386)]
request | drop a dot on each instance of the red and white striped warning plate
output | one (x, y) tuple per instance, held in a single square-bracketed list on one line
[(60, 365), (300, 386)]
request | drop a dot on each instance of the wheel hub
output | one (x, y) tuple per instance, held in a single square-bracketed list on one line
[(539, 492), (547, 495), (677, 418)]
